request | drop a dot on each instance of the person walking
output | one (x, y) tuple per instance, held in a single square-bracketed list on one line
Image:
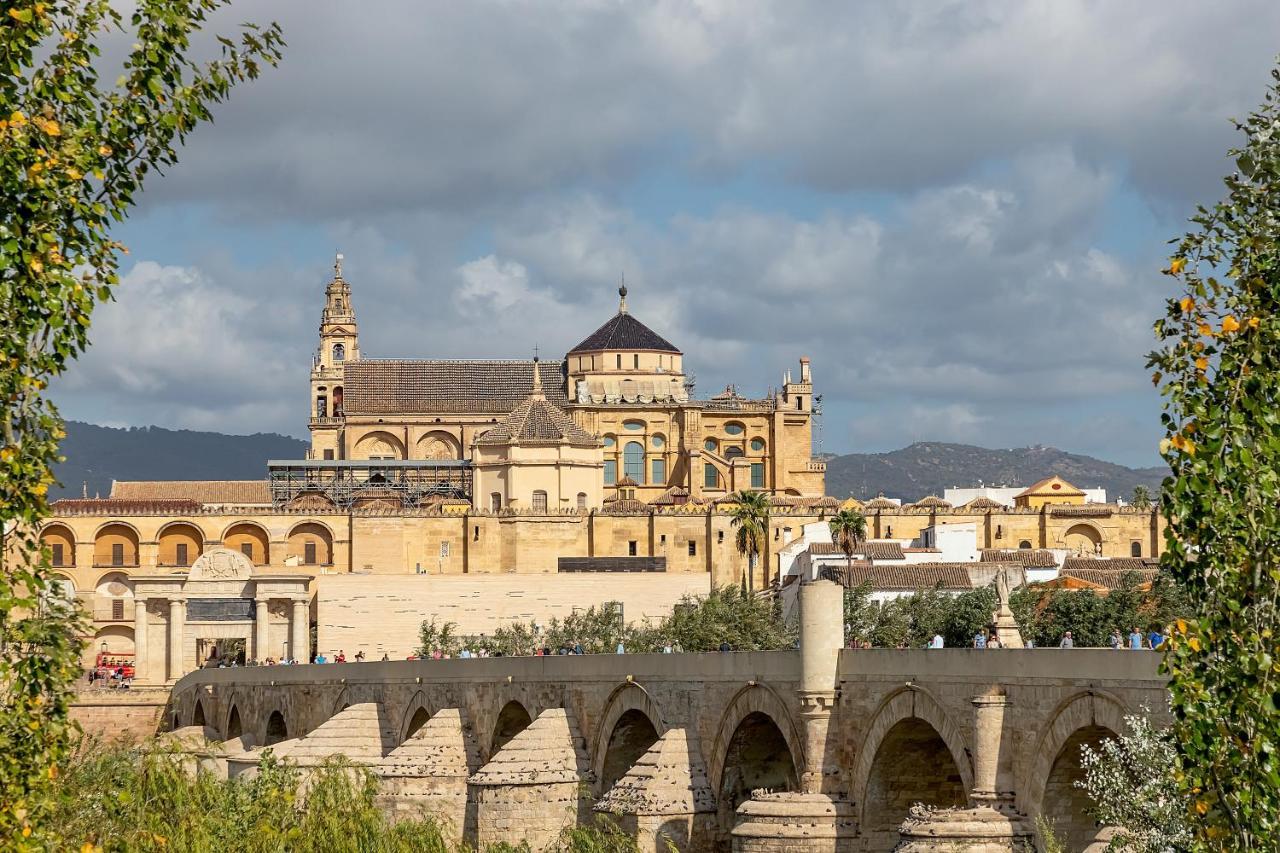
[(980, 640), (993, 642), (1115, 641), (1155, 638), (1067, 642), (1135, 639), (937, 642), (725, 647), (622, 649)]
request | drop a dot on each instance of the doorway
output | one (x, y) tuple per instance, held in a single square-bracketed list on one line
[(212, 652)]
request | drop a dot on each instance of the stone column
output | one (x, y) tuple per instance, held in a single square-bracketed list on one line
[(992, 774), (260, 622), (141, 662), (300, 632), (821, 637), (177, 618)]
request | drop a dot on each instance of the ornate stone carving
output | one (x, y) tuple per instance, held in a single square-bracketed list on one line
[(221, 564)]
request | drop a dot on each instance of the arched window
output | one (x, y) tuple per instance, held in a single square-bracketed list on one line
[(1135, 549), (582, 500), (337, 401), (539, 501), (495, 501), (1025, 545), (733, 453), (633, 461), (339, 352)]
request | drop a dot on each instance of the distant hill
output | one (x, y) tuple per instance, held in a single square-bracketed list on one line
[(927, 468), (97, 455)]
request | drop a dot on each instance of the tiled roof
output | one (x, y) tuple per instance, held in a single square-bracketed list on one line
[(825, 502), (671, 497), (983, 502), (120, 506), (881, 503), (201, 491), (378, 387), (537, 419), (1107, 578), (869, 550), (931, 502), (1030, 558), (624, 506), (1054, 485), (1086, 511), (623, 331), (900, 578), (1113, 564)]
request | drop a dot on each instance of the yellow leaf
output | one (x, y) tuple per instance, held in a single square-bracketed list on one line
[(1187, 304), (1165, 444), (104, 151), (1194, 643), (26, 832), (1253, 322), (1229, 324), (1202, 363), (74, 174), (1201, 806), (17, 119), (37, 266), (1176, 265), (1205, 329)]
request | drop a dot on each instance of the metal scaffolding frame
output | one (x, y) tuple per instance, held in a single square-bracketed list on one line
[(346, 481)]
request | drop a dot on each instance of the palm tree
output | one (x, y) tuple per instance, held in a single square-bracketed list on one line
[(1141, 498), (849, 531), (749, 513)]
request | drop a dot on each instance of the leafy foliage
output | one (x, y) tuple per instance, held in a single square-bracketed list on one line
[(1044, 614), (848, 531), (911, 621), (1218, 367), (1129, 780), (1141, 498), (749, 516), (74, 154)]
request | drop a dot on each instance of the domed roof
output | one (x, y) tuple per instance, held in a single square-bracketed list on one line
[(932, 501), (537, 420), (624, 332)]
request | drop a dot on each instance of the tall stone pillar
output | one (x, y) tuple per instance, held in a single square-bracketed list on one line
[(818, 818), (177, 620), (300, 631), (141, 660), (260, 622), (992, 823)]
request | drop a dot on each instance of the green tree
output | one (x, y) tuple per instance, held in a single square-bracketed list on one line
[(1218, 367), (749, 514), (1141, 498), (443, 637), (968, 613), (848, 531), (699, 624), (74, 154)]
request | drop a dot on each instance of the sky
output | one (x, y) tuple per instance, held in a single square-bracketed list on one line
[(957, 210)]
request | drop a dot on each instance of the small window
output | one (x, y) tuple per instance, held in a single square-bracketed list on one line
[(631, 548), (495, 501), (634, 426), (1025, 545), (619, 361), (328, 454), (611, 472), (757, 445), (609, 441), (662, 540), (720, 537), (710, 476), (339, 352), (117, 609), (322, 407), (582, 500), (757, 475), (636, 361), (57, 555), (999, 531), (659, 467), (693, 548), (734, 453), (475, 535), (1135, 549), (539, 501), (309, 554), (246, 548), (799, 404), (117, 554), (658, 441), (182, 553), (734, 428), (710, 444), (888, 532)]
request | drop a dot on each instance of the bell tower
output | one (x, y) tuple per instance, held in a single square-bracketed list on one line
[(339, 343)]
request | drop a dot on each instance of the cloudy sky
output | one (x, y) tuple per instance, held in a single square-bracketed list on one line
[(958, 210)]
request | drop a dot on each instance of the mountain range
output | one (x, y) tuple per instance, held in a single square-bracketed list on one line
[(96, 455)]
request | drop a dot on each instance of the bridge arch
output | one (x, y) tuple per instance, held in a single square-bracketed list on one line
[(631, 723), (909, 722), (416, 714), (197, 714), (1085, 718), (511, 720), (233, 727), (757, 745), (277, 729)]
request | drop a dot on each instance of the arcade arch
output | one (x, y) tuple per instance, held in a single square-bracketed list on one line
[(757, 756), (439, 446), (197, 716), (631, 737), (234, 729), (1067, 806), (311, 543), (379, 445), (116, 545), (249, 539), (277, 729), (180, 543), (512, 720), (419, 719), (1082, 539), (61, 543), (912, 765)]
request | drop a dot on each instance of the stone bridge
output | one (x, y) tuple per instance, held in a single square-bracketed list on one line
[(815, 749)]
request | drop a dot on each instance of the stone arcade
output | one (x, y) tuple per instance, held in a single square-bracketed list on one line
[(823, 749)]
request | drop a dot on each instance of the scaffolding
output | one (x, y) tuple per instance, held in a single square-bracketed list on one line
[(413, 482)]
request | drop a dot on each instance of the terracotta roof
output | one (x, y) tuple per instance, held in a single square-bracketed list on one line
[(624, 506), (881, 502), (537, 419), (201, 491), (671, 497), (378, 387), (825, 502), (623, 331), (901, 578), (983, 502), (1113, 564), (931, 502), (869, 550), (1046, 487), (626, 481), (1107, 578), (121, 506), (1030, 558)]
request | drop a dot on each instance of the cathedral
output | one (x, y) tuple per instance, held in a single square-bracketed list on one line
[(614, 419)]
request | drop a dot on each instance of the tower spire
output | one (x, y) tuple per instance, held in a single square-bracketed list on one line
[(337, 266), (622, 295), (537, 375)]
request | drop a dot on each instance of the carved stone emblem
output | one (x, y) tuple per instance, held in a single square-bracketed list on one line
[(221, 564)]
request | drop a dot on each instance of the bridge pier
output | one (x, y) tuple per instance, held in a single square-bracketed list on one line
[(428, 774)]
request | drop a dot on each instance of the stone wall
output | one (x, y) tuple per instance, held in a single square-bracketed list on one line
[(130, 715)]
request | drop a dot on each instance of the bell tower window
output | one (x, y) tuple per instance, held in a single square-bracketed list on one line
[(322, 407), (339, 352)]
